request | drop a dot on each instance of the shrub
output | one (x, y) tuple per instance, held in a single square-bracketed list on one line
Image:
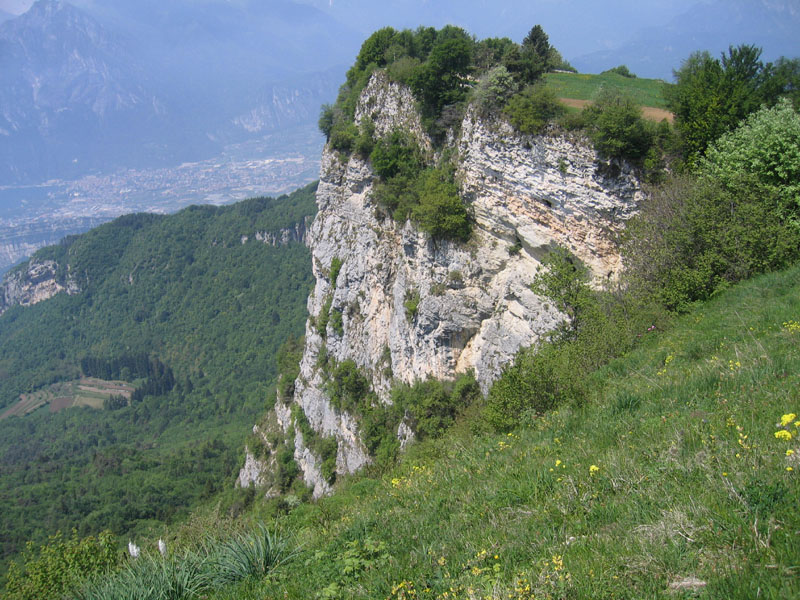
[(765, 147), (534, 107), (348, 387), (336, 322), (694, 238), (494, 89), (538, 380), (396, 154), (440, 211), (288, 358), (564, 279), (59, 566), (324, 316), (411, 304), (343, 136), (434, 405), (365, 141), (617, 128), (333, 272), (621, 70)]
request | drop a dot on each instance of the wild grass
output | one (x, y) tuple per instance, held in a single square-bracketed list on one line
[(668, 483), (582, 86), (247, 556)]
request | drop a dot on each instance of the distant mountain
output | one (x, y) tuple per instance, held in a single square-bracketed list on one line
[(656, 51), (147, 83), (70, 91)]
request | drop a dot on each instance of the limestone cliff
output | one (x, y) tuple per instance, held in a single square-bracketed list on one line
[(31, 283), (475, 309)]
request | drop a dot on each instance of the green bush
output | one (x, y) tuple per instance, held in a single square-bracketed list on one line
[(324, 316), (440, 211), (348, 388), (692, 239), (333, 272), (434, 405), (766, 148), (396, 154), (493, 90), (59, 566), (534, 107), (343, 136), (336, 323), (411, 304), (621, 70), (538, 380), (617, 128), (288, 358)]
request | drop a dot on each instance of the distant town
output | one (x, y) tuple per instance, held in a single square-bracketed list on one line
[(37, 215)]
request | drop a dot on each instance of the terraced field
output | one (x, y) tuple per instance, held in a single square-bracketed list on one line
[(86, 391)]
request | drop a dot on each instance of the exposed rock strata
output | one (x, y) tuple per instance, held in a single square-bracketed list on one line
[(476, 308), (33, 283)]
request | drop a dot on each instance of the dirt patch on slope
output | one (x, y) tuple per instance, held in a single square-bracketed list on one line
[(650, 113)]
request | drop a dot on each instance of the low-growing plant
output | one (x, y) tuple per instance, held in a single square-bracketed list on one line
[(149, 577), (617, 128), (411, 304), (533, 108), (251, 554), (60, 565)]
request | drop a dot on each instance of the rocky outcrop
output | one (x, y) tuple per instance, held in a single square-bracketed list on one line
[(283, 237), (412, 307), (32, 283)]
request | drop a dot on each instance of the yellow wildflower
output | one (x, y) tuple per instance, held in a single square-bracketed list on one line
[(783, 435), (789, 452), (787, 418), (593, 469)]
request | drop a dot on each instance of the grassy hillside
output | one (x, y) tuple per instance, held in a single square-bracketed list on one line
[(674, 480), (195, 291), (581, 86)]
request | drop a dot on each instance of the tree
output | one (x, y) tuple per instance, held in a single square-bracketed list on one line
[(765, 147), (617, 128), (564, 279), (711, 96), (533, 57)]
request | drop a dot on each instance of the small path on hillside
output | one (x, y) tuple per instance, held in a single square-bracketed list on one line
[(648, 112)]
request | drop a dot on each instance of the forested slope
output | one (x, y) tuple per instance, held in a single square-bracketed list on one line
[(207, 301)]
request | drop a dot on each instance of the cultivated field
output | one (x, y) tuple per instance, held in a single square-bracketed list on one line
[(86, 391)]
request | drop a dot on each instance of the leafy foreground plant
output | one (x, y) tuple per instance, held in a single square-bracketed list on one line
[(252, 554), (153, 578), (191, 575)]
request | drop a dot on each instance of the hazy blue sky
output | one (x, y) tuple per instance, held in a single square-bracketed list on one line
[(590, 32)]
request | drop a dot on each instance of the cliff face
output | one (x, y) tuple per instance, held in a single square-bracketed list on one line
[(33, 283), (475, 308)]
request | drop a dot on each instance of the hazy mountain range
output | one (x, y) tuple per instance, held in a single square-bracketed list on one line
[(136, 84), (96, 87)]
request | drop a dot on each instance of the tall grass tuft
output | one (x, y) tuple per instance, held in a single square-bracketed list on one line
[(153, 578), (252, 554)]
